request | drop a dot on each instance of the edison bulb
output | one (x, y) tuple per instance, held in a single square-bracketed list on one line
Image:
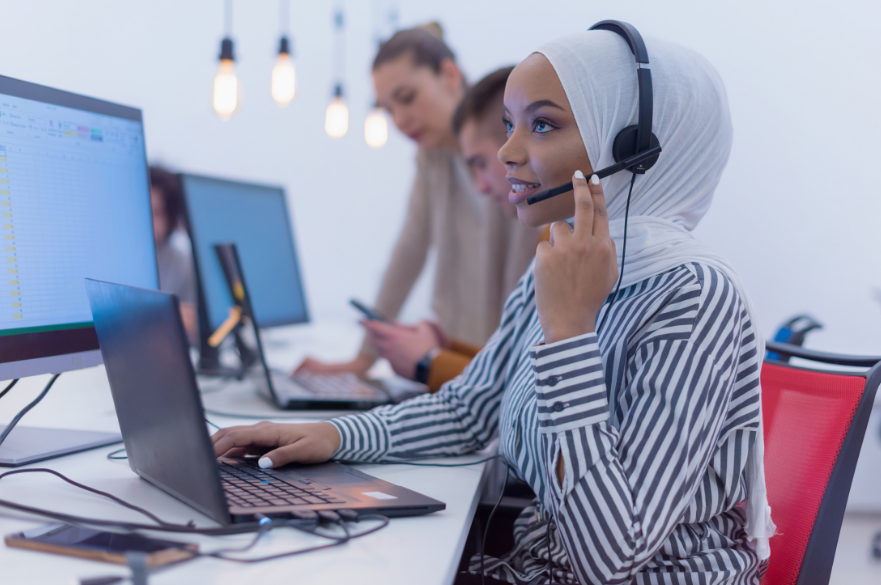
[(376, 128), (284, 80), (226, 90), (336, 120)]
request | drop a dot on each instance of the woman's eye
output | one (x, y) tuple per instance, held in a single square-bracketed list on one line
[(542, 126), (509, 127), (408, 99)]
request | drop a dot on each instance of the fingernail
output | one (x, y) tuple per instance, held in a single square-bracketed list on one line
[(265, 463), (579, 175), (594, 179)]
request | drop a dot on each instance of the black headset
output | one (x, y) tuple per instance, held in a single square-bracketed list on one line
[(636, 148)]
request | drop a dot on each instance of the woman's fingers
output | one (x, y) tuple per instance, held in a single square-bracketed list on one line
[(304, 450), (584, 210), (259, 435), (600, 213), (559, 230)]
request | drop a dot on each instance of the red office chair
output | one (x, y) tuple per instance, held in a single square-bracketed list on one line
[(814, 422)]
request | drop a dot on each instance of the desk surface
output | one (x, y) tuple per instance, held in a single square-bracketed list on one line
[(428, 546)]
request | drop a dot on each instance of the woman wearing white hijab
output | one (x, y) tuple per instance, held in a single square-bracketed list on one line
[(641, 440)]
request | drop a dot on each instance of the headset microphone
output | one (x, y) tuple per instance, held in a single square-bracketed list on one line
[(651, 153), (636, 148)]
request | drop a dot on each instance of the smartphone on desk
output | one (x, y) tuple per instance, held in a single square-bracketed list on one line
[(95, 545), (368, 312)]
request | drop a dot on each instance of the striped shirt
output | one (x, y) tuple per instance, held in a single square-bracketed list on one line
[(653, 418)]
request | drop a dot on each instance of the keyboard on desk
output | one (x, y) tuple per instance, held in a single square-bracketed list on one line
[(248, 486), (339, 387)]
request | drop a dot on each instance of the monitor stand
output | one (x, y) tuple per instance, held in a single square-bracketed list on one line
[(29, 444)]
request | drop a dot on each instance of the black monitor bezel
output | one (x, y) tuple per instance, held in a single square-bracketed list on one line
[(204, 318), (46, 344)]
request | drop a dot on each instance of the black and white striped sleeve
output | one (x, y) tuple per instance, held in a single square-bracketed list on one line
[(461, 418), (627, 485)]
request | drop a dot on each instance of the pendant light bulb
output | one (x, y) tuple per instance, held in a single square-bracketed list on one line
[(227, 89), (336, 119), (284, 76), (376, 128)]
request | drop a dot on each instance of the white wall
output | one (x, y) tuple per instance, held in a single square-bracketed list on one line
[(797, 211)]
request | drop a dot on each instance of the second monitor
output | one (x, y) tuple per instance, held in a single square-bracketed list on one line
[(254, 217)]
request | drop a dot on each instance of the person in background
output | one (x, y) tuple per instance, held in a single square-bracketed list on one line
[(176, 274), (481, 249), (477, 122)]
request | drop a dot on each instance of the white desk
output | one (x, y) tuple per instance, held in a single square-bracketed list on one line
[(428, 546)]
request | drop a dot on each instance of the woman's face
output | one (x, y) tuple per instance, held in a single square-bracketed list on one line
[(420, 101), (544, 147)]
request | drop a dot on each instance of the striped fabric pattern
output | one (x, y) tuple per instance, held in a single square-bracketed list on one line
[(653, 418)]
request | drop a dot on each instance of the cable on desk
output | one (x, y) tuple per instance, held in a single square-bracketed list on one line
[(8, 388), (163, 526), (27, 408)]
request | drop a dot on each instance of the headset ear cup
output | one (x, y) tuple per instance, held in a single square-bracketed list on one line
[(625, 146)]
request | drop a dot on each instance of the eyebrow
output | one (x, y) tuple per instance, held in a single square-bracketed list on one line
[(540, 104), (536, 105)]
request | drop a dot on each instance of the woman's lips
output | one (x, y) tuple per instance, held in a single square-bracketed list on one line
[(520, 191)]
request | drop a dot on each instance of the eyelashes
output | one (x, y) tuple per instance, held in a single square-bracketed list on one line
[(539, 125)]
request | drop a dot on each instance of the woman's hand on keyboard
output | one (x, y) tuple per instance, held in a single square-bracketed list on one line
[(279, 444)]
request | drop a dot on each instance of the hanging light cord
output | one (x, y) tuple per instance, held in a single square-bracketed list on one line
[(284, 17), (227, 18), (340, 48)]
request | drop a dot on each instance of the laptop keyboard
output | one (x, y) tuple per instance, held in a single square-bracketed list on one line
[(248, 486), (340, 387)]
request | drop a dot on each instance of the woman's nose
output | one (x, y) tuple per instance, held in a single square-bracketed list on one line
[(511, 154)]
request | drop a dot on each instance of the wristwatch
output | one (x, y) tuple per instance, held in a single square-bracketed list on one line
[(423, 366)]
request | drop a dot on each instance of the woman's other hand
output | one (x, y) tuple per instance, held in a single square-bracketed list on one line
[(403, 345), (357, 366), (279, 444), (576, 270)]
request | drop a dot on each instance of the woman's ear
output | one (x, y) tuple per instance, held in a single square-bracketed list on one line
[(451, 76)]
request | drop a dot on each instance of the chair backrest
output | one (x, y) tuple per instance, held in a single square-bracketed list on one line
[(814, 426)]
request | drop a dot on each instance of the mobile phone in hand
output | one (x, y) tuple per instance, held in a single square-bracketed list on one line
[(368, 312)]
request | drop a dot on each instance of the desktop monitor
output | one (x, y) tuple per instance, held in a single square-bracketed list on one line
[(75, 204), (255, 218)]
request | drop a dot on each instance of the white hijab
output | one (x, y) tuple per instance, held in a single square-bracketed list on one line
[(692, 122)]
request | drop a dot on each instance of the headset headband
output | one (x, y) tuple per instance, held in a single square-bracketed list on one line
[(643, 76)]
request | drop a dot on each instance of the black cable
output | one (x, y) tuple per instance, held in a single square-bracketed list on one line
[(384, 521), (488, 522), (27, 408), (119, 501), (623, 254), (8, 388)]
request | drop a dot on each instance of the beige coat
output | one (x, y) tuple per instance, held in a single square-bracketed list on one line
[(481, 252)]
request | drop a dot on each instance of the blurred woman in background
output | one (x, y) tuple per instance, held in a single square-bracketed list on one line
[(175, 261), (481, 250)]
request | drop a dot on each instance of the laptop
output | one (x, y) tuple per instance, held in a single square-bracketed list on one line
[(304, 392), (157, 401)]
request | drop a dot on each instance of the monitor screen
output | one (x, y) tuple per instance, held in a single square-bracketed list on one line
[(75, 204), (255, 218)]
